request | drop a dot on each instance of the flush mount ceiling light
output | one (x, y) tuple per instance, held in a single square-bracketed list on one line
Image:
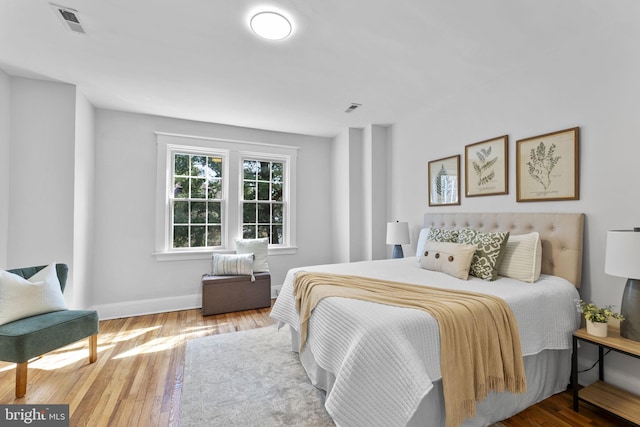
[(270, 25)]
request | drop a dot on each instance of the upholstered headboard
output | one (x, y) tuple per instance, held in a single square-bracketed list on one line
[(561, 235)]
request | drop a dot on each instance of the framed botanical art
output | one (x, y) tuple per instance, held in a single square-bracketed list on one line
[(486, 167), (547, 167), (444, 181)]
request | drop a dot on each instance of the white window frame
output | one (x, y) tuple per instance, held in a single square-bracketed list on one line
[(233, 154)]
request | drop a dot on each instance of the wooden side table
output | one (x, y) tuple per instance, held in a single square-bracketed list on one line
[(606, 396)]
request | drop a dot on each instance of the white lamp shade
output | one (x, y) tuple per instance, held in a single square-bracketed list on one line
[(398, 233), (623, 254)]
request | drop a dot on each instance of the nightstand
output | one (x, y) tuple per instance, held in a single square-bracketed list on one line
[(606, 396)]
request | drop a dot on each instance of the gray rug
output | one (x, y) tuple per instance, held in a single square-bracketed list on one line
[(248, 378)]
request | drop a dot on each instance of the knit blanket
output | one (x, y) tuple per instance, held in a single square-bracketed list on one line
[(479, 340)]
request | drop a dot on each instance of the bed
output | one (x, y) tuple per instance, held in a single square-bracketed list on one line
[(380, 364)]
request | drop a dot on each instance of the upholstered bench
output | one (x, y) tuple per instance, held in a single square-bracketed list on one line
[(33, 336), (225, 294)]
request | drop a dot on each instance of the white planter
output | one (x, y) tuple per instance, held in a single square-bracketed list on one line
[(597, 329)]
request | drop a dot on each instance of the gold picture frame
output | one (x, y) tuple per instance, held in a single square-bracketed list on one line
[(486, 171), (547, 167), (444, 181)]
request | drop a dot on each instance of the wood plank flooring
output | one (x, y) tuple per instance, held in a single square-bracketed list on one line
[(137, 380)]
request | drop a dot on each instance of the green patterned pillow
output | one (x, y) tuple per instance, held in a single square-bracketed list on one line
[(489, 253), (443, 235)]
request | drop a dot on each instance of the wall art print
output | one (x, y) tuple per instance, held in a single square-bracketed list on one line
[(444, 181), (486, 167), (547, 167)]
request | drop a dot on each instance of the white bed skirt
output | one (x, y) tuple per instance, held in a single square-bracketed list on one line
[(547, 374)]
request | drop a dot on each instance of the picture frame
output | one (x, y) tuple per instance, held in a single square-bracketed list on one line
[(547, 167), (444, 181), (486, 171)]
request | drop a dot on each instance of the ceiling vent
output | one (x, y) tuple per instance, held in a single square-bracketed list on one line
[(352, 107), (69, 18)]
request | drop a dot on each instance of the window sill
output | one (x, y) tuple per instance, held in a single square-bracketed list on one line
[(194, 255)]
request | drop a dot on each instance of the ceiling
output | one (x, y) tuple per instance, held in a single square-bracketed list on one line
[(198, 59)]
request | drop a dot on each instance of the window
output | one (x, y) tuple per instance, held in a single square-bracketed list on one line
[(212, 192), (196, 202), (263, 200)]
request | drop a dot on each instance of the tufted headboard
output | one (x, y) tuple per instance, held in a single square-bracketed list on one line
[(561, 235)]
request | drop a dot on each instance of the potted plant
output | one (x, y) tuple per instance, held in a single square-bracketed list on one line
[(597, 317)]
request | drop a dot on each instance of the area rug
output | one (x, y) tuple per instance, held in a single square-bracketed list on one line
[(248, 378)]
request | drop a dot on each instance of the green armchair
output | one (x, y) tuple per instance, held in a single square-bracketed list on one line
[(23, 339)]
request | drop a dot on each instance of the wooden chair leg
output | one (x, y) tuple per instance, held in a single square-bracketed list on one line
[(93, 348), (21, 379)]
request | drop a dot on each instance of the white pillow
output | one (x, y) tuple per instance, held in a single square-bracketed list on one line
[(451, 258), (232, 265), (20, 298), (422, 238), (522, 258), (259, 248)]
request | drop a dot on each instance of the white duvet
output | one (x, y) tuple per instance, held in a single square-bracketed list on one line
[(385, 358)]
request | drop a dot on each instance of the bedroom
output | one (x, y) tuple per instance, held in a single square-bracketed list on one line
[(583, 74)]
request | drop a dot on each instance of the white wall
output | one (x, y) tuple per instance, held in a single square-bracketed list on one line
[(42, 174), (127, 279), (591, 84), (5, 175), (84, 201)]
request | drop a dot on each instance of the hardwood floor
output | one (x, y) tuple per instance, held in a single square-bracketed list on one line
[(137, 380)]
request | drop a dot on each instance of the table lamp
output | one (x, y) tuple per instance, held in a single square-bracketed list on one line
[(397, 235), (623, 259)]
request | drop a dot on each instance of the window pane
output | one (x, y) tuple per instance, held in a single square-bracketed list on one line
[(276, 213), (265, 172), (197, 188), (249, 190), (198, 164), (277, 171), (263, 231), (276, 235), (263, 191), (215, 188), (249, 213), (214, 215), (248, 231), (276, 192), (197, 236), (180, 212), (180, 236), (181, 164), (264, 213), (215, 167), (181, 188), (198, 212), (214, 236), (250, 168)]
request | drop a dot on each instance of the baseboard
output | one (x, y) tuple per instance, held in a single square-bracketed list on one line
[(149, 306)]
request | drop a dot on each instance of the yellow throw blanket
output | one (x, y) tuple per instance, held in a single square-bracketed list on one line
[(479, 340)]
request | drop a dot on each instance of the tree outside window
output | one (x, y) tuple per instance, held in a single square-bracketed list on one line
[(263, 200)]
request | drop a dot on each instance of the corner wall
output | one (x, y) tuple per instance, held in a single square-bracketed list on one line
[(5, 173)]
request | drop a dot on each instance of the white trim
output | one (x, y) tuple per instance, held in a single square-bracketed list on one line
[(195, 255), (234, 141), (148, 306)]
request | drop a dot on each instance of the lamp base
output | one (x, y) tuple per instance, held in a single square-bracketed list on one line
[(630, 309), (397, 252)]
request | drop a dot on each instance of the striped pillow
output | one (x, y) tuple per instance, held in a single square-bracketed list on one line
[(232, 265), (522, 258)]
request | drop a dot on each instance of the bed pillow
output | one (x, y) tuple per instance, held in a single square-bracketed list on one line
[(453, 259), (20, 298), (490, 247), (422, 238), (443, 234), (259, 248), (522, 258), (232, 265)]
